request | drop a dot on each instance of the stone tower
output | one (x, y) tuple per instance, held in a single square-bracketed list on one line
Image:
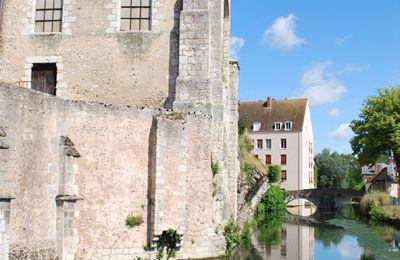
[(125, 106)]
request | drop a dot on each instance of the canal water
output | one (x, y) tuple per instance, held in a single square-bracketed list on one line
[(306, 234)]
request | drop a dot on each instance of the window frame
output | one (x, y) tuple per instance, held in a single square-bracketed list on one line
[(43, 21), (270, 159), (268, 141), (283, 159), (259, 144), (133, 18), (256, 126), (290, 125), (278, 124), (283, 141), (283, 175)]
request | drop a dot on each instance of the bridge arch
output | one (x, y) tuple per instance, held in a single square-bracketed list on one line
[(326, 198)]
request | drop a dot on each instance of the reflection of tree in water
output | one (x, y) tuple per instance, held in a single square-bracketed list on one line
[(329, 234), (269, 230), (366, 256)]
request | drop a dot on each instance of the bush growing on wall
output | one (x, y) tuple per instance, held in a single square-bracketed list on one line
[(274, 173), (272, 202), (242, 124)]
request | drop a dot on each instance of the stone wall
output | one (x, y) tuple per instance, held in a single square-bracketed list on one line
[(77, 170), (95, 60)]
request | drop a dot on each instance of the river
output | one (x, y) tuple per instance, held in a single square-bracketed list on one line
[(342, 234)]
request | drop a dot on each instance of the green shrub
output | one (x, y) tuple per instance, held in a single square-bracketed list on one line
[(242, 125), (214, 168), (272, 202), (374, 200), (274, 173), (133, 221), (232, 235)]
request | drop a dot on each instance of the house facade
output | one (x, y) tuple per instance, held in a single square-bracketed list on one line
[(282, 134)]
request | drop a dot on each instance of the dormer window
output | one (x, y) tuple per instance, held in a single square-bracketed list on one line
[(288, 125), (278, 126), (256, 126)]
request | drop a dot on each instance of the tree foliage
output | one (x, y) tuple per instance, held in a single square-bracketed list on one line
[(272, 203), (377, 130), (338, 170), (274, 173), (242, 124)]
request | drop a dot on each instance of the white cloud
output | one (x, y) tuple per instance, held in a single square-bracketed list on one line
[(342, 39), (319, 87), (335, 112), (236, 45), (349, 249), (342, 133), (353, 68), (282, 33)]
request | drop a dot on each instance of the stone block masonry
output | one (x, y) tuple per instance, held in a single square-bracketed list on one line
[(82, 168)]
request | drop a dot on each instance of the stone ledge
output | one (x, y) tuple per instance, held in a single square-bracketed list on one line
[(6, 195)]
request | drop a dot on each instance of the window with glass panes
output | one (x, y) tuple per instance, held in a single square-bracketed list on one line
[(48, 15), (135, 15)]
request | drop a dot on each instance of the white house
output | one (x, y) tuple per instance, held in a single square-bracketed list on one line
[(282, 134)]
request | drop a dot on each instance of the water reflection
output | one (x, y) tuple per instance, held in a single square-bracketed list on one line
[(340, 235)]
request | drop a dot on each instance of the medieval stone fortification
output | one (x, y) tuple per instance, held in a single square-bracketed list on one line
[(137, 119)]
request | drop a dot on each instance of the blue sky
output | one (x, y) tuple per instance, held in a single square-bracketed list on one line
[(335, 52)]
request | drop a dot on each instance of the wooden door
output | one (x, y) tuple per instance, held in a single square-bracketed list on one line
[(44, 78)]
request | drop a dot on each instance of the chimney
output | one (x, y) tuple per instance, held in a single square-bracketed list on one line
[(267, 104)]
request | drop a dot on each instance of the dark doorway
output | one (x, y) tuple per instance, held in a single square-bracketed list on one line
[(44, 77)]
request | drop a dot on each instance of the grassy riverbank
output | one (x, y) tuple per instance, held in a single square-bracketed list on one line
[(377, 205)]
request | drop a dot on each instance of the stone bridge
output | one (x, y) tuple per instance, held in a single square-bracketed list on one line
[(326, 198)]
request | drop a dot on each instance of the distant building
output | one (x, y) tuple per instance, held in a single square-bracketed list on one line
[(282, 134), (382, 177)]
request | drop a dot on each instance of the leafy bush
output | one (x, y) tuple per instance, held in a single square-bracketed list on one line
[(374, 200), (272, 202), (274, 173), (250, 166), (169, 240), (232, 235), (132, 221), (242, 124)]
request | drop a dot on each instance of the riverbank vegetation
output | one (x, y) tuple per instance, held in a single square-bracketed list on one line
[(377, 205), (272, 203)]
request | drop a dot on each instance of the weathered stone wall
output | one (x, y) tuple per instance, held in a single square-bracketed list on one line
[(77, 170), (95, 60)]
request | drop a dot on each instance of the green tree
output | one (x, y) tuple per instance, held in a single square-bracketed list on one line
[(274, 173), (354, 179), (242, 124), (377, 131), (315, 176), (272, 203), (332, 169)]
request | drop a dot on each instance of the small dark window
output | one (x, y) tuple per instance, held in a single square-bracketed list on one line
[(135, 15), (268, 159), (268, 143), (283, 175), (259, 144), (283, 144), (44, 77), (283, 159), (48, 15)]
